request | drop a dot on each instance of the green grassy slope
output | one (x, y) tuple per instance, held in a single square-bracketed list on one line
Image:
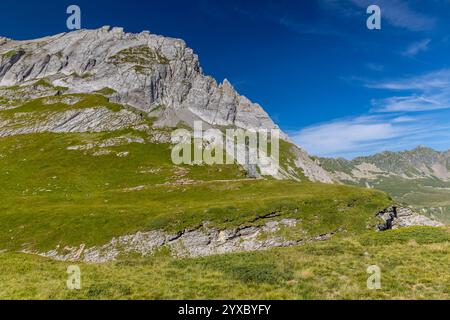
[(413, 262), (87, 188), (52, 195)]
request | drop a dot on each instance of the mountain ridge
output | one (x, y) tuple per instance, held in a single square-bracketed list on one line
[(86, 61), (418, 148), (427, 162), (418, 177), (154, 74)]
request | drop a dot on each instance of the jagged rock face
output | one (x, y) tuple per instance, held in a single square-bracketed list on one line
[(150, 72), (70, 121)]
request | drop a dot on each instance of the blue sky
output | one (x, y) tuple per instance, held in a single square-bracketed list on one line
[(336, 87)]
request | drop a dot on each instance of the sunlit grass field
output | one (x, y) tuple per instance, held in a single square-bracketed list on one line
[(54, 196), (413, 262), (75, 189)]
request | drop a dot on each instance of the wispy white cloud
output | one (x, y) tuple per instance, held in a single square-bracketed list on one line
[(420, 116), (434, 80), (430, 92), (365, 135), (345, 137), (403, 119), (412, 103), (417, 47), (399, 14)]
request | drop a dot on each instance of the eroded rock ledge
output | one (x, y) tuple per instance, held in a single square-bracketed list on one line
[(397, 217), (207, 240), (202, 241)]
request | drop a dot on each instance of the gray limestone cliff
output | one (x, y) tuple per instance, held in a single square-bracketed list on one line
[(153, 74), (150, 72)]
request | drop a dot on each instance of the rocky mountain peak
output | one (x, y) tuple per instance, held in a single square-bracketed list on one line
[(145, 71), (157, 75)]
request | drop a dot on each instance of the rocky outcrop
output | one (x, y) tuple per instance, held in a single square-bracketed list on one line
[(202, 241), (207, 240), (79, 120), (396, 217)]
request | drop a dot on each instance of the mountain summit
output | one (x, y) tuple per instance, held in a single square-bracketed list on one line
[(145, 71), (148, 73)]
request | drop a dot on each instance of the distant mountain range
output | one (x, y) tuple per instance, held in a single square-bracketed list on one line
[(420, 177)]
